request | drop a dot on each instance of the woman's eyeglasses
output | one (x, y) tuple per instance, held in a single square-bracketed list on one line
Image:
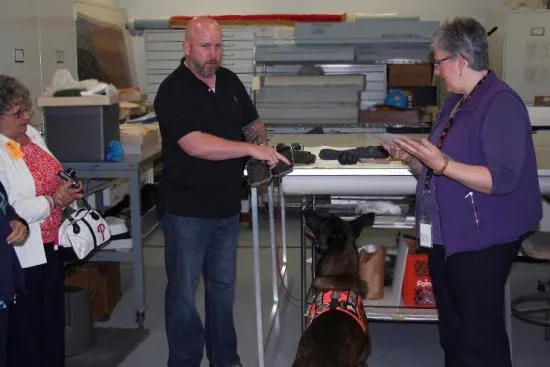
[(436, 63), (20, 113)]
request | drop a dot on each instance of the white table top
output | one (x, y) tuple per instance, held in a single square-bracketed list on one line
[(314, 144)]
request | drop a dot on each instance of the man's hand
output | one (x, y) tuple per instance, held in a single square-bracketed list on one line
[(19, 232), (267, 154)]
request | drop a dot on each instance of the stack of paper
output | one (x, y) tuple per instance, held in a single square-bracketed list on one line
[(139, 139)]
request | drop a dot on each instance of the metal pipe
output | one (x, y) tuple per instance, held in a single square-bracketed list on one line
[(135, 25), (257, 279), (272, 243)]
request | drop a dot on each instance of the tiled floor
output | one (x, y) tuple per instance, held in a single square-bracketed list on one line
[(394, 344)]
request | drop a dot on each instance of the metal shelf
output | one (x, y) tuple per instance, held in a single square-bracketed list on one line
[(400, 314), (130, 169), (390, 307)]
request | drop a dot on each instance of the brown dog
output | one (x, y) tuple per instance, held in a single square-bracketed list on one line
[(337, 331)]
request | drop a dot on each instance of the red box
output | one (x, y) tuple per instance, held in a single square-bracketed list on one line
[(417, 283)]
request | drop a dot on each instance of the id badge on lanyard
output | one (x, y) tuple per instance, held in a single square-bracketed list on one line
[(425, 222)]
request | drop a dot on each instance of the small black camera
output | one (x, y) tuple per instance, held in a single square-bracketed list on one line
[(70, 175)]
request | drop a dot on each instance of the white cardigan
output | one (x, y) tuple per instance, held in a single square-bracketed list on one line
[(19, 184)]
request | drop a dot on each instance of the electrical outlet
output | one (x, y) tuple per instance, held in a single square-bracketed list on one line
[(59, 57), (18, 55)]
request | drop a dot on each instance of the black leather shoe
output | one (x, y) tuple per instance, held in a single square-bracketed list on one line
[(361, 152), (258, 173), (282, 168)]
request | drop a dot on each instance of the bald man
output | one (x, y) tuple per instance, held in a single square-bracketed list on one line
[(204, 112)]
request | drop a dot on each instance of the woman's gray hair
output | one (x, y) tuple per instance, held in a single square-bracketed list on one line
[(465, 37), (13, 92)]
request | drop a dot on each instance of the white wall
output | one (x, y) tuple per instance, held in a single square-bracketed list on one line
[(43, 29), (23, 17), (426, 9)]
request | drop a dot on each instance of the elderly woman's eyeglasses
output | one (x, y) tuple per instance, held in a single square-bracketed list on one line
[(20, 113), (438, 62)]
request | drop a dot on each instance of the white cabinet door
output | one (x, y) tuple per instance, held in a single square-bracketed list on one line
[(36, 38), (57, 38), (526, 54)]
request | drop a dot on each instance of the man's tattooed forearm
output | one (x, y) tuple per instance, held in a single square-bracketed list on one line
[(255, 133)]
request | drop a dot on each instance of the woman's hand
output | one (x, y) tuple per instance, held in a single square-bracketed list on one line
[(423, 150), (396, 152), (19, 232), (65, 194)]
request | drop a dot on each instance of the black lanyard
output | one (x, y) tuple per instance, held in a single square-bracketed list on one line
[(448, 126)]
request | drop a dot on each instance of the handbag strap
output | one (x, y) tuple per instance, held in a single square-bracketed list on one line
[(85, 205)]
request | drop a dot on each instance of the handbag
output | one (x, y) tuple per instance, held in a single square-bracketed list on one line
[(84, 231)]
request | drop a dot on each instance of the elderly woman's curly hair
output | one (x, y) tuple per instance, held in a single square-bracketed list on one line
[(12, 93)]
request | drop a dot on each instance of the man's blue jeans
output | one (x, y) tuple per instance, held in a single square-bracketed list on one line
[(192, 246)]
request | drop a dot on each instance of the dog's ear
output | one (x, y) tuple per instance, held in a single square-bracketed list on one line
[(313, 221), (365, 220)]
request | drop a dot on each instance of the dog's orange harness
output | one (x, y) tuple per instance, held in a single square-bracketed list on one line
[(345, 301)]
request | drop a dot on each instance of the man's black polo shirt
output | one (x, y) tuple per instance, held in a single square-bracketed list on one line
[(192, 186)]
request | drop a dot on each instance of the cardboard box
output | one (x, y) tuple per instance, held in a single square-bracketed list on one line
[(131, 109), (132, 95), (102, 280), (99, 100), (410, 75), (401, 117), (140, 139), (542, 101)]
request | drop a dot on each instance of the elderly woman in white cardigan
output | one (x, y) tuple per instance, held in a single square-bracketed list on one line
[(29, 172)]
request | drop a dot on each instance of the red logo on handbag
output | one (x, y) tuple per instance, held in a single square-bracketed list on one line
[(101, 229)]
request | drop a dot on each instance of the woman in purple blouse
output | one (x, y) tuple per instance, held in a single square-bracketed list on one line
[(478, 195)]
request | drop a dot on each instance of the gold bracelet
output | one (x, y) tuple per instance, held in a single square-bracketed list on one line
[(445, 164)]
